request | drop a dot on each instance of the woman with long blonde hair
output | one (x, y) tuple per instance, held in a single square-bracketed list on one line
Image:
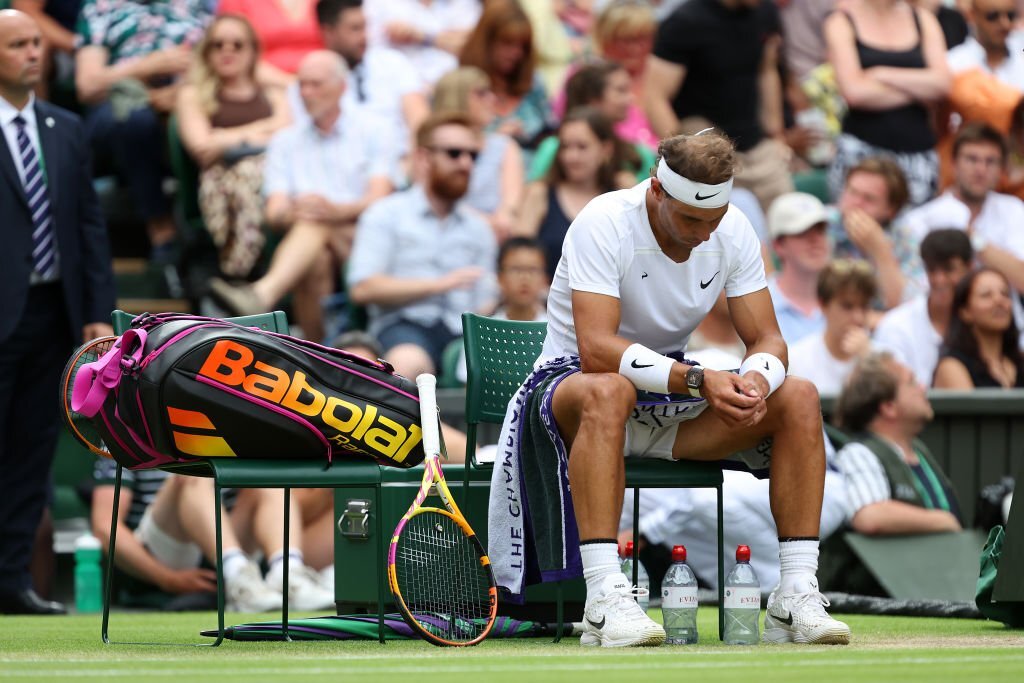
[(225, 118)]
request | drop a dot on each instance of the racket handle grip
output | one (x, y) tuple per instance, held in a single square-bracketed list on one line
[(427, 385)]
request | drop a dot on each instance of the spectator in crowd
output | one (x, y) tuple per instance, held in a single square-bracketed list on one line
[(166, 528), (422, 257), (803, 25), (586, 165), (952, 22), (383, 82), (502, 45), (130, 55), (522, 284), (624, 33), (58, 290), (890, 65), (496, 186), (56, 20), (913, 331), (226, 118), (845, 291), (992, 220), (605, 86), (552, 45), (987, 47), (893, 483), (287, 30), (319, 177), (982, 345), (797, 222), (719, 59), (430, 33), (865, 226)]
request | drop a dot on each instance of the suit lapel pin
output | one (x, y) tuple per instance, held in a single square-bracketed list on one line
[(49, 122)]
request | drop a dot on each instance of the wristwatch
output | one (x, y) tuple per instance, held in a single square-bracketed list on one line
[(695, 380)]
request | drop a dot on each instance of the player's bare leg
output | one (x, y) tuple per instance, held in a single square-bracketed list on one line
[(591, 412), (796, 609)]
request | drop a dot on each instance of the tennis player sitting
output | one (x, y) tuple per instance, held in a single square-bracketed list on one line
[(639, 270)]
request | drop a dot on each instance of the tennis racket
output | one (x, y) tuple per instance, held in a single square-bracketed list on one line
[(81, 427), (438, 571)]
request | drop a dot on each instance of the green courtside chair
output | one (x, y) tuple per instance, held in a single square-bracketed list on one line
[(499, 356), (269, 473)]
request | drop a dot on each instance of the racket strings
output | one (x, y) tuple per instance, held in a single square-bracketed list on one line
[(82, 427), (442, 580)]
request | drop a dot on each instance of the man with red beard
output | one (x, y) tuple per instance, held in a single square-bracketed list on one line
[(421, 257)]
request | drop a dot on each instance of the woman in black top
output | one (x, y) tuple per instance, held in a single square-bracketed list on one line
[(890, 64), (981, 348)]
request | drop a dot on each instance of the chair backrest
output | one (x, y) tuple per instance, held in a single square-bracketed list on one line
[(274, 321), (499, 356)]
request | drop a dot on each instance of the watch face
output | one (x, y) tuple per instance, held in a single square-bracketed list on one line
[(694, 378)]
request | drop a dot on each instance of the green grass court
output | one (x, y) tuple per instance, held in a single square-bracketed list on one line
[(885, 648)]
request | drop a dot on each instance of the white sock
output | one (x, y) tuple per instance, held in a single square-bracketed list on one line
[(234, 561), (599, 560), (798, 565), (295, 560)]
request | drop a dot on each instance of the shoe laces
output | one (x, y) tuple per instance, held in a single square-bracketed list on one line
[(812, 602), (626, 600)]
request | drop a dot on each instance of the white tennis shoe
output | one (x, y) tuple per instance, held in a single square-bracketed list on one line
[(801, 618), (248, 592), (614, 619)]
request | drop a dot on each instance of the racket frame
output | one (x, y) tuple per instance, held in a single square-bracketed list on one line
[(67, 381)]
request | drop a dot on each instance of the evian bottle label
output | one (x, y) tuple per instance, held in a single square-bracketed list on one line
[(743, 598), (679, 596)]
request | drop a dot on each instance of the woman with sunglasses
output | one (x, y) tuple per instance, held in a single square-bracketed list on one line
[(496, 186), (890, 64), (288, 30), (225, 119), (587, 164), (981, 347)]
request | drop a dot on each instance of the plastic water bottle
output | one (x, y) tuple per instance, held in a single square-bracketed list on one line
[(679, 601), (88, 575), (742, 601), (642, 578)]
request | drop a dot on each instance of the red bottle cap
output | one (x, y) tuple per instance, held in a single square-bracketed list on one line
[(743, 553), (628, 552), (679, 553)]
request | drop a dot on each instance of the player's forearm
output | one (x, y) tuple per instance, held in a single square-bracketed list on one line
[(773, 344)]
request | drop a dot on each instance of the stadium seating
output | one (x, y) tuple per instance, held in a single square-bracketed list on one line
[(499, 356), (269, 473)]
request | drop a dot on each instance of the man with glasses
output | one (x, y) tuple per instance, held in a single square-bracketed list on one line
[(422, 257), (991, 219), (320, 174), (988, 49)]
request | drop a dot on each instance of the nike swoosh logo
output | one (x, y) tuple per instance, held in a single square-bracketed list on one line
[(704, 285), (635, 365), (643, 276), (599, 625), (708, 196), (788, 621), (766, 366)]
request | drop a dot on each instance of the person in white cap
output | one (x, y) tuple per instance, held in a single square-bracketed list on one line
[(639, 270), (798, 224)]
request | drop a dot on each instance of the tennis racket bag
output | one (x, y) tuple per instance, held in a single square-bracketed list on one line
[(174, 388)]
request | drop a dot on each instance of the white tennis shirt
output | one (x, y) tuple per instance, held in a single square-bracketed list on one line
[(610, 249)]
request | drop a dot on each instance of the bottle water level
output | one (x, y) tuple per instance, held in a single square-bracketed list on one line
[(741, 626)]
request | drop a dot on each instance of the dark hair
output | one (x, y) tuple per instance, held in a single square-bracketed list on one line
[(601, 126), (517, 243), (707, 158), (960, 336), (870, 384), (892, 174), (979, 132), (328, 11), (425, 133), (847, 274), (498, 17), (587, 85), (347, 340), (939, 247)]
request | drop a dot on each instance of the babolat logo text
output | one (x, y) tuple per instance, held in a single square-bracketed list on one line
[(234, 364)]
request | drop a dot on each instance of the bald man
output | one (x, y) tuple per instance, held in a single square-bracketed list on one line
[(321, 173), (58, 290)]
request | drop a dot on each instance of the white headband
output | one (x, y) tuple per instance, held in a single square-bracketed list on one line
[(687, 191)]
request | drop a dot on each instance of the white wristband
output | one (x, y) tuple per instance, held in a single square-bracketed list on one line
[(768, 366), (648, 370)]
